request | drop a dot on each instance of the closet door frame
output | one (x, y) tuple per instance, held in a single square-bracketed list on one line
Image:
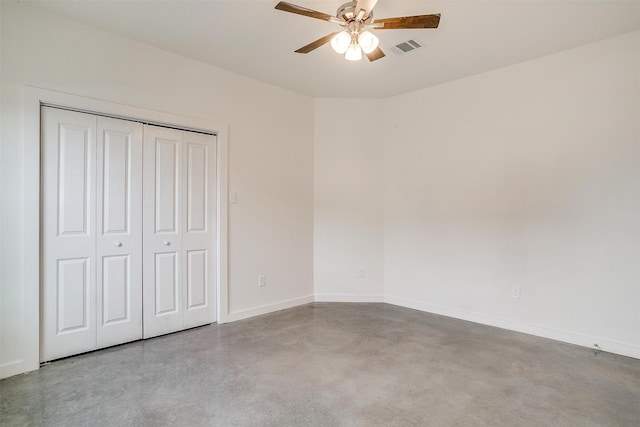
[(34, 98)]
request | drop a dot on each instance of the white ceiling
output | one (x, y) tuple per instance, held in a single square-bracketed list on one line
[(251, 38)]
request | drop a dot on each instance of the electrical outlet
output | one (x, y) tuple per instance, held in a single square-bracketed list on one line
[(262, 280), (362, 273), (515, 292)]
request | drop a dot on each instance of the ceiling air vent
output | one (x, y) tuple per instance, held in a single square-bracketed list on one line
[(408, 46)]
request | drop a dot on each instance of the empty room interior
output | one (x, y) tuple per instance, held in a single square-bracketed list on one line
[(318, 213)]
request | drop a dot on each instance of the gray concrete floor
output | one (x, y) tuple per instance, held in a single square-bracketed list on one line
[(332, 364)]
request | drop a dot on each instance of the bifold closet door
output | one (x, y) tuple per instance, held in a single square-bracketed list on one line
[(119, 228), (68, 233), (91, 289), (179, 230)]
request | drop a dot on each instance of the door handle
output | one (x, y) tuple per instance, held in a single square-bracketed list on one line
[(118, 244), (167, 243)]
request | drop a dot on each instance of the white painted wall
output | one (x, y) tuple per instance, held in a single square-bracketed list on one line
[(525, 176), (348, 200), (270, 152)]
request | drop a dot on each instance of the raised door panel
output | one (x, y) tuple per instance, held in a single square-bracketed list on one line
[(197, 200), (199, 230), (116, 181), (166, 185), (197, 292), (119, 242), (162, 225), (75, 150), (72, 294), (166, 286), (116, 290), (68, 288)]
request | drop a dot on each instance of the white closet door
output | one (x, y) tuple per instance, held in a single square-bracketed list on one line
[(119, 232), (68, 233), (162, 231), (179, 230), (199, 228)]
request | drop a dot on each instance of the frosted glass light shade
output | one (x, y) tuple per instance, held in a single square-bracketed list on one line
[(354, 53), (340, 42), (368, 42)]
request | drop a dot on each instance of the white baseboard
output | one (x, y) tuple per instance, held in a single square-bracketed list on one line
[(623, 349), (270, 308), (348, 298), (14, 368)]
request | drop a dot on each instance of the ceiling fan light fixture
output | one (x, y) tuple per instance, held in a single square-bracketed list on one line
[(354, 53), (356, 17), (340, 42), (368, 42)]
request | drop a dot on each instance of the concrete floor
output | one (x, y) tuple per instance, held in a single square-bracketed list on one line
[(332, 364)]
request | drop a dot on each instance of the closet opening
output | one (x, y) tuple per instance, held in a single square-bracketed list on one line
[(130, 241)]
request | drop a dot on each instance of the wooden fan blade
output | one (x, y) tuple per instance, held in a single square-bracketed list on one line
[(419, 21), (375, 55), (316, 44), (367, 5), (288, 7)]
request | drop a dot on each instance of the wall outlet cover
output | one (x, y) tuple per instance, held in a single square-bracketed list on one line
[(515, 292)]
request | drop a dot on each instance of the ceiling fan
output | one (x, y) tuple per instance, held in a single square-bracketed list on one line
[(356, 19)]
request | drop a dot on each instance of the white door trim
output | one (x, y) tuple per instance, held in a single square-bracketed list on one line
[(33, 99)]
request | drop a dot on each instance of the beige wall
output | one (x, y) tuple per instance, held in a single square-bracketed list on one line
[(270, 150), (449, 197), (526, 176), (348, 200)]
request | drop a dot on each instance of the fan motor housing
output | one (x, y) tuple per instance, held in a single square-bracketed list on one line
[(348, 13)]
